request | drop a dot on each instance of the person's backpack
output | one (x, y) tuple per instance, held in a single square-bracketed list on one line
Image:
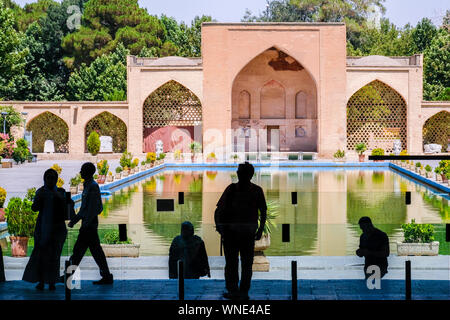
[(222, 214)]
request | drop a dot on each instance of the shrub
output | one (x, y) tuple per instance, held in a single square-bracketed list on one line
[(437, 170), (57, 168), (109, 173), (119, 169), (272, 213), (161, 156), (102, 167), (195, 147), (418, 164), (8, 146), (2, 197), (177, 154), (150, 157), (31, 193), (444, 166), (93, 143), (360, 148), (428, 168), (95, 176), (378, 152), (132, 165), (212, 155), (339, 154), (112, 237), (74, 182), (20, 218), (418, 233), (60, 182), (136, 162), (143, 163), (125, 159)]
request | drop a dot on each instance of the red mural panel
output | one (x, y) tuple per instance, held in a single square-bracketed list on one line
[(173, 138)]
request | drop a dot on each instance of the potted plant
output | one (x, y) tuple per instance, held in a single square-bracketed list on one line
[(109, 177), (437, 170), (260, 262), (2, 202), (419, 240), (125, 160), (74, 182), (118, 172), (428, 171), (339, 156), (6, 150), (102, 169), (422, 171), (21, 221), (136, 165), (378, 152), (132, 168), (444, 168), (195, 147), (162, 156), (177, 155), (235, 157), (143, 165), (151, 158), (211, 157), (360, 148), (125, 172), (113, 247), (418, 165)]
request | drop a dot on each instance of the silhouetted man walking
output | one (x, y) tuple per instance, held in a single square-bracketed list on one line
[(91, 207), (236, 220), (374, 246)]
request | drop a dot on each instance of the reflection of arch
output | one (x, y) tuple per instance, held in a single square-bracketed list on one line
[(300, 105), (107, 124), (170, 106), (48, 126), (244, 105), (437, 129), (376, 115), (273, 101)]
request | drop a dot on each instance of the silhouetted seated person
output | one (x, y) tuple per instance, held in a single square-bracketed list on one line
[(236, 220), (374, 246), (191, 250), (49, 234), (91, 207)]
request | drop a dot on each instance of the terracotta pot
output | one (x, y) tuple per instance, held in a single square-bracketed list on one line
[(263, 243), (361, 157), (101, 179), (6, 164), (2, 215), (19, 246), (429, 175), (74, 190), (118, 176), (110, 178), (444, 178), (125, 173), (80, 187)]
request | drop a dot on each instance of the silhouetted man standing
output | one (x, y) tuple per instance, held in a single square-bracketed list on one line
[(374, 246), (91, 207), (236, 220)]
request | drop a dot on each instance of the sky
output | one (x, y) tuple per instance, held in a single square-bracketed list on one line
[(400, 12)]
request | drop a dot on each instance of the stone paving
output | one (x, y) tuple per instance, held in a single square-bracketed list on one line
[(213, 289)]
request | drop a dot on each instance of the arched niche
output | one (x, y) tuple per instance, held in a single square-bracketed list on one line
[(244, 105), (437, 130), (301, 105), (48, 126), (107, 124)]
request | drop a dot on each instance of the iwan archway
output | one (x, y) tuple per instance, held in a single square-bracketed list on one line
[(274, 105)]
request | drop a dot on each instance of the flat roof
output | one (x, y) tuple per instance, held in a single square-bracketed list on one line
[(273, 24)]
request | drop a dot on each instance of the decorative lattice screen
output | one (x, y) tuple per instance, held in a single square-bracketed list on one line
[(48, 126), (107, 124), (437, 130), (376, 115), (172, 104)]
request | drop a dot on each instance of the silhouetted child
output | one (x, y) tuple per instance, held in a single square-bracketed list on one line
[(236, 220), (91, 207), (191, 250), (373, 246)]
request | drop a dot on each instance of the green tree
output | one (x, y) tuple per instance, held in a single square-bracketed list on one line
[(103, 79), (280, 11), (423, 34), (13, 118), (105, 24), (12, 59), (437, 67)]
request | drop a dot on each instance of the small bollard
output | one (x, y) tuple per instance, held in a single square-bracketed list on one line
[(285, 232), (408, 197), (294, 198), (294, 280), (123, 232), (180, 197), (180, 280), (68, 291), (2, 267), (408, 280)]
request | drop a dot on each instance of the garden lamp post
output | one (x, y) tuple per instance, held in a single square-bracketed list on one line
[(4, 114)]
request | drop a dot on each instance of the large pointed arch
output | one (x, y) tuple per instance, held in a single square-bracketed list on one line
[(107, 124), (170, 113), (274, 78), (48, 126), (436, 129), (376, 116)]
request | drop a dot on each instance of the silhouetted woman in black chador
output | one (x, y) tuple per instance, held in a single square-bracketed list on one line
[(49, 234)]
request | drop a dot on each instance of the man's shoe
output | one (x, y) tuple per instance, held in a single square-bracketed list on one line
[(231, 295), (105, 280)]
